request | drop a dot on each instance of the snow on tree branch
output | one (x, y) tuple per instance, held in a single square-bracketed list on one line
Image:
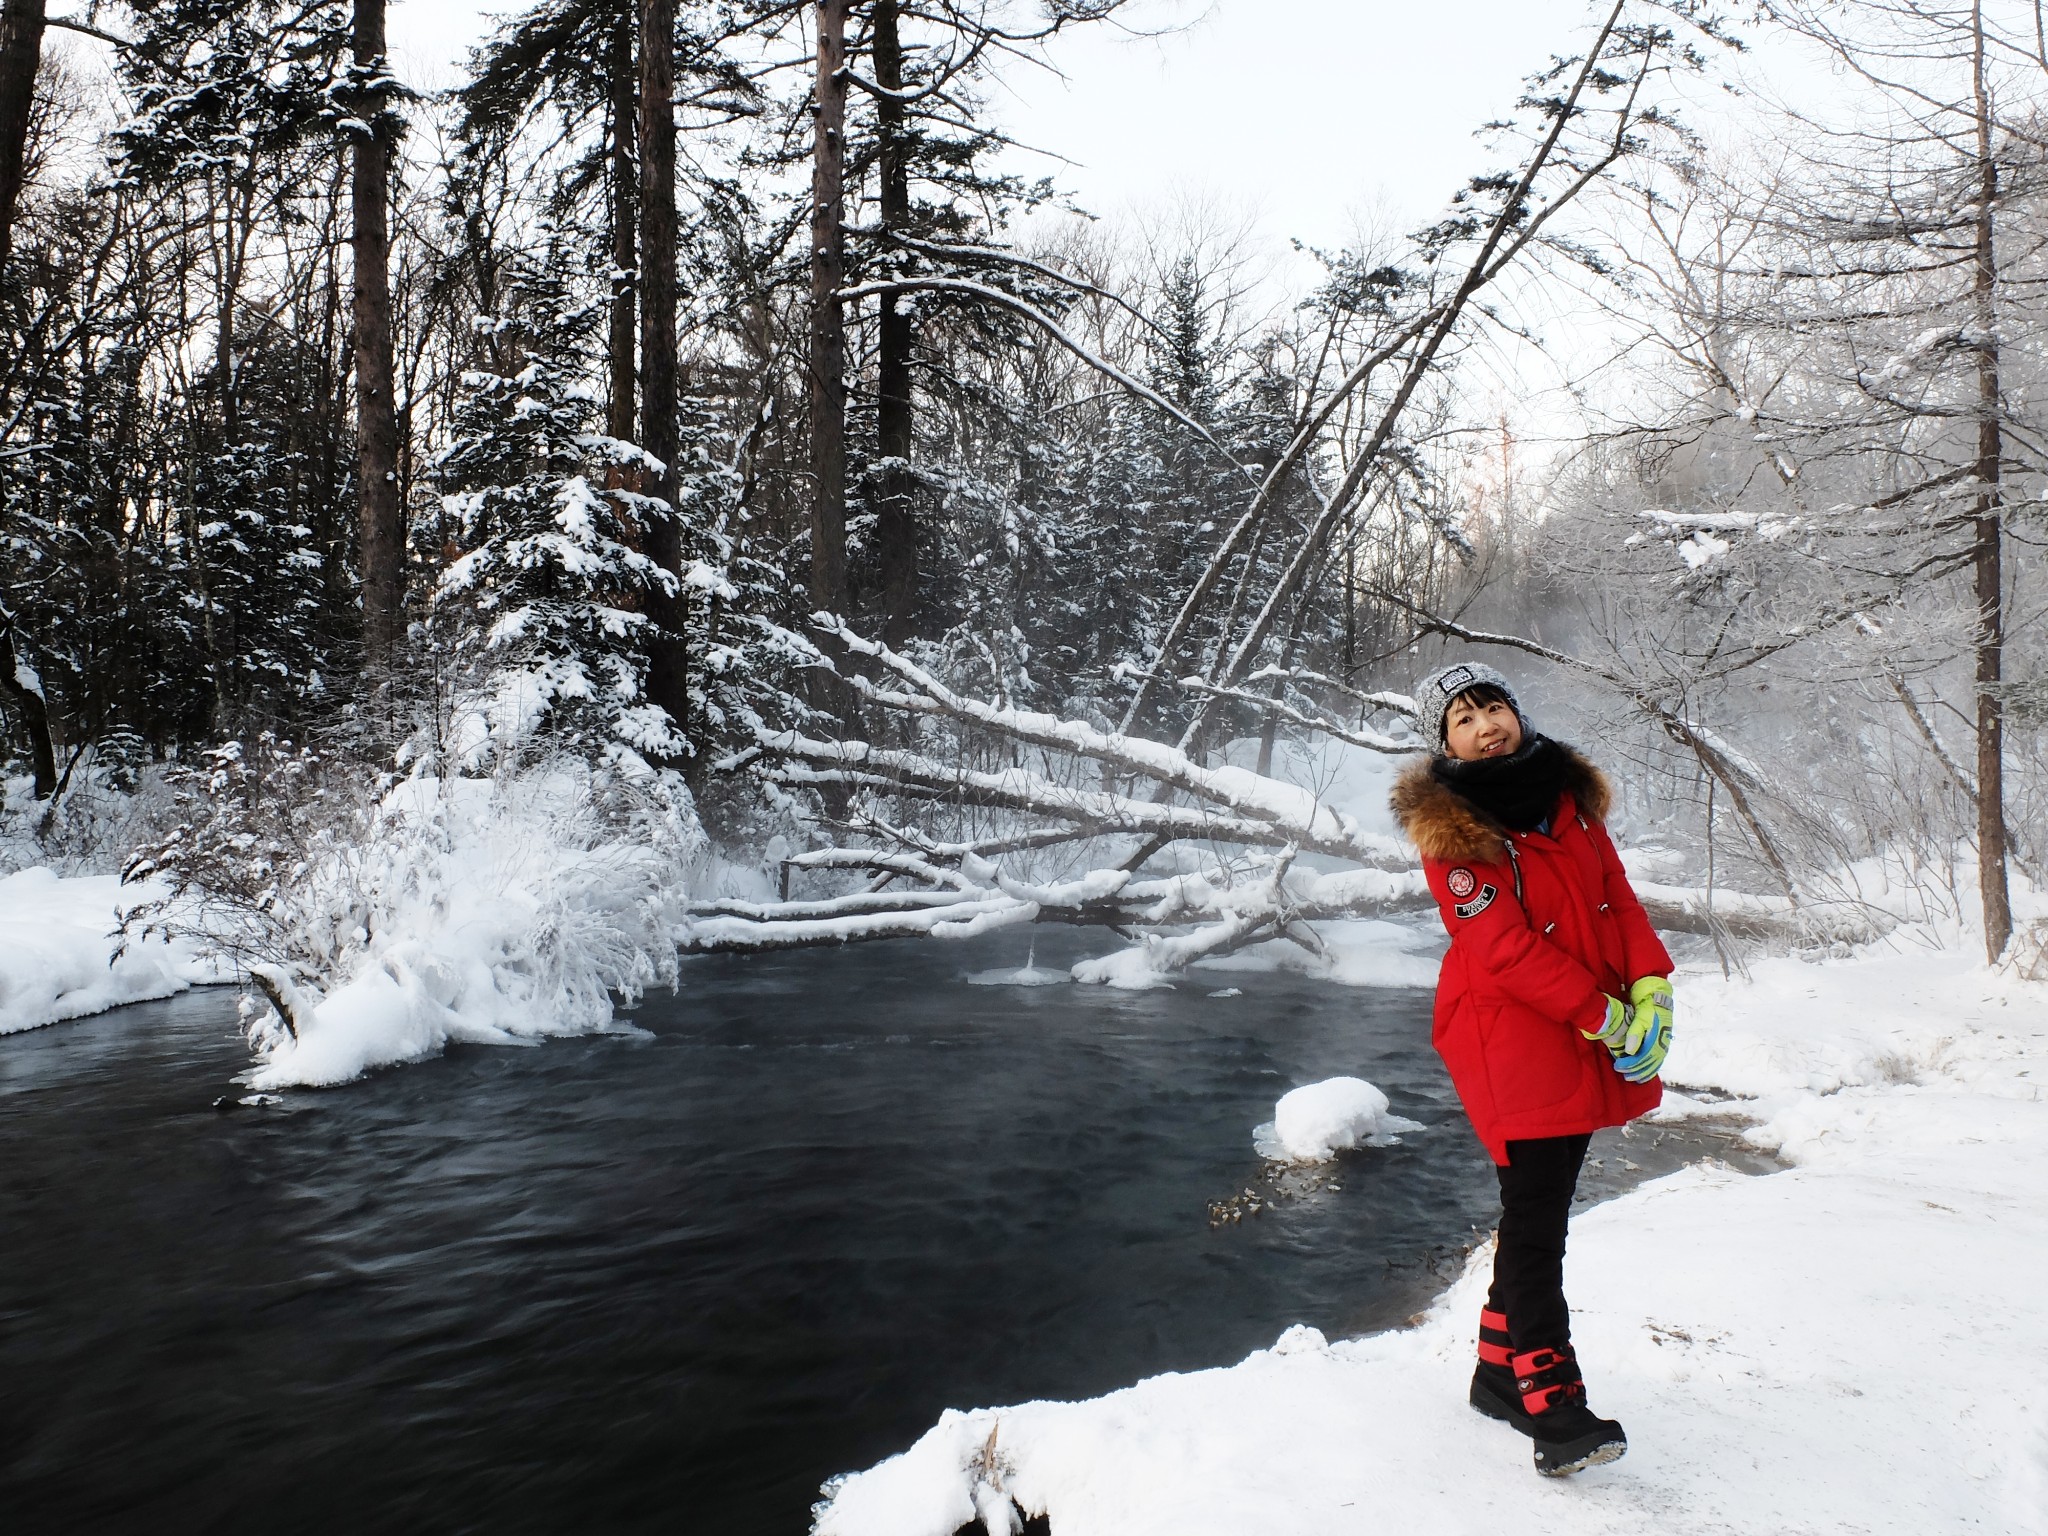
[(1226, 841)]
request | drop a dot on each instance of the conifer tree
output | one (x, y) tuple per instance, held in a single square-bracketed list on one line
[(550, 586)]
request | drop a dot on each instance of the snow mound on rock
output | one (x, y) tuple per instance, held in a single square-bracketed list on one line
[(1314, 1123)]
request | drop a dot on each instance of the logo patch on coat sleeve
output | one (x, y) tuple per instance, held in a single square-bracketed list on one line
[(1461, 883), (1477, 904)]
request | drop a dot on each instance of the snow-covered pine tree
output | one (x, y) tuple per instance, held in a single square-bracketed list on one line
[(548, 582), (266, 514), (62, 562), (1151, 492)]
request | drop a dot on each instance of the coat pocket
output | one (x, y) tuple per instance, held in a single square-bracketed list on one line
[(1532, 1063)]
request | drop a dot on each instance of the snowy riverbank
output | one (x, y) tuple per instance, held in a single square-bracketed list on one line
[(1851, 1345), (499, 910), (58, 939)]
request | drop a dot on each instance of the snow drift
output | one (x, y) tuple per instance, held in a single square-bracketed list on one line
[(61, 955), (380, 918)]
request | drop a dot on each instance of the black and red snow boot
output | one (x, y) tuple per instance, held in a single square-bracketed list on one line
[(1569, 1436), (1493, 1379)]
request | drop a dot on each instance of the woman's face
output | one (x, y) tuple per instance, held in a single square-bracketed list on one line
[(1473, 731)]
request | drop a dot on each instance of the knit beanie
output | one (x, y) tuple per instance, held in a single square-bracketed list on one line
[(1438, 691)]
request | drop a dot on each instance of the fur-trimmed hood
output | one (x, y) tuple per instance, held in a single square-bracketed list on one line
[(1447, 826)]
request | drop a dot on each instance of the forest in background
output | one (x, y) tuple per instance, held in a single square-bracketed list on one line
[(687, 404)]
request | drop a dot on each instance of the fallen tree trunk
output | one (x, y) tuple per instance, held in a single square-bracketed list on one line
[(1187, 858), (1182, 919)]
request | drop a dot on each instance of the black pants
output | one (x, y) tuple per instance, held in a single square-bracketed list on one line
[(1536, 1187)]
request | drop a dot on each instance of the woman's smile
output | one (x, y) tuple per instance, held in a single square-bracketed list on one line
[(1473, 730)]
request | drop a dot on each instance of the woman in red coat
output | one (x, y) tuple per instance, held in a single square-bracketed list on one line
[(1553, 1014)]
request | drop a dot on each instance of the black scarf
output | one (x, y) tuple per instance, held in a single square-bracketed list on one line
[(1519, 791)]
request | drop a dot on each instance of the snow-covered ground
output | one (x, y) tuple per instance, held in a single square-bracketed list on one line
[(1857, 1344), (57, 944)]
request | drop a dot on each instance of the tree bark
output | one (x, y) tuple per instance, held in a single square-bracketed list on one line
[(828, 340), (25, 698), (382, 529), (625, 236), (895, 520), (21, 54), (667, 670), (1988, 515)]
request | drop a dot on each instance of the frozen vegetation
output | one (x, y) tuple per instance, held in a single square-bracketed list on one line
[(508, 911), (496, 910)]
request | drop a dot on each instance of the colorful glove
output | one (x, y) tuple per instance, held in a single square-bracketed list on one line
[(1612, 1031), (1648, 1039), (1654, 993)]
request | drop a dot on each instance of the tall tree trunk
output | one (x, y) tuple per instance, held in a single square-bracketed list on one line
[(828, 340), (235, 198), (382, 529), (667, 671), (895, 525), (24, 694), (624, 316), (21, 54), (1988, 513)]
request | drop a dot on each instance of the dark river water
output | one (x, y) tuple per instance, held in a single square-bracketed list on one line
[(671, 1283)]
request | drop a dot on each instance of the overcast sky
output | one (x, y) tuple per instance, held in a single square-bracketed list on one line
[(1299, 112), (1296, 118)]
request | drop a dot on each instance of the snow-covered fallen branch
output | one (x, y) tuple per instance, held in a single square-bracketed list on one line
[(1188, 857), (1092, 813), (716, 933), (1769, 918), (1251, 796)]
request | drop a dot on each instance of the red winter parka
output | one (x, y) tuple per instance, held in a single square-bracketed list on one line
[(1541, 926)]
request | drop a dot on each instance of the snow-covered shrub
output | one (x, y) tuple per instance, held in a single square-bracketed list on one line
[(2028, 956), (112, 800), (383, 918)]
